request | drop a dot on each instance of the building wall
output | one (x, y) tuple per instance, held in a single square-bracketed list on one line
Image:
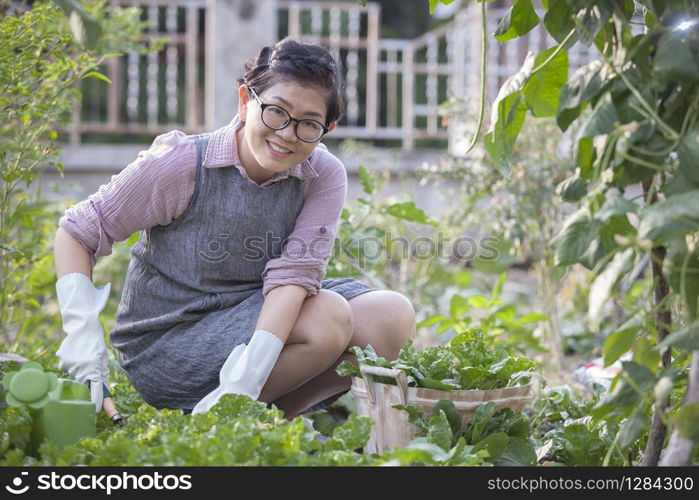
[(89, 166)]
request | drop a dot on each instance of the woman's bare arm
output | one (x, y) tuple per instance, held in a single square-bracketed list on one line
[(70, 256), (281, 309)]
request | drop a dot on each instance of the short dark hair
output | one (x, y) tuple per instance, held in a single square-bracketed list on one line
[(303, 63)]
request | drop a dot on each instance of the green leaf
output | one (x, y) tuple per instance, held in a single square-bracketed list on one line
[(532, 318), (603, 244), (131, 241), (645, 354), (620, 341), (505, 368), (559, 20), (567, 116), (500, 141), (432, 320), (439, 431), (582, 86), (435, 454), (445, 325), (481, 417), (679, 184), (681, 269), (615, 204), (458, 306), (603, 118), (508, 114), (572, 190), (519, 452), (688, 152), (98, 76), (442, 385), (348, 369), (686, 338), (353, 433), (478, 301), (543, 89), (628, 105), (686, 420), (574, 239), (366, 180), (496, 444), (592, 18), (325, 423), (452, 414), (520, 19), (676, 58), (631, 173), (633, 381), (34, 303), (409, 211), (474, 377), (671, 218), (578, 445), (497, 287), (632, 428), (585, 157), (415, 415), (509, 119)]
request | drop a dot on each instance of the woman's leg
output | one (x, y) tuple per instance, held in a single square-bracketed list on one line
[(382, 318), (321, 333)]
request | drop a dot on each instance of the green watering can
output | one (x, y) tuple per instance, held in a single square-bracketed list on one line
[(60, 408)]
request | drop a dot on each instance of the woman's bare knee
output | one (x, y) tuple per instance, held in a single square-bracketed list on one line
[(385, 319), (325, 320)]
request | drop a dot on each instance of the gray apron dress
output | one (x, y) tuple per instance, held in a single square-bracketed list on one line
[(193, 291)]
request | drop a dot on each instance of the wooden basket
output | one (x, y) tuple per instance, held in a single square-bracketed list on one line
[(391, 426)]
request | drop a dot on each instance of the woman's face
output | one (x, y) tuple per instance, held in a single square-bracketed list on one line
[(254, 139)]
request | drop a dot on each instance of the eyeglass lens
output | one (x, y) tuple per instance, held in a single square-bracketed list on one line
[(277, 118)]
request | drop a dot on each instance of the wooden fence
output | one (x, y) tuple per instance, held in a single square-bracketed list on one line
[(394, 87)]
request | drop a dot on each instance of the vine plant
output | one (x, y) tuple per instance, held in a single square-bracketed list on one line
[(636, 186)]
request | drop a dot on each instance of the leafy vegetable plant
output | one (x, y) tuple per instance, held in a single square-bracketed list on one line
[(467, 362), (237, 431), (504, 435)]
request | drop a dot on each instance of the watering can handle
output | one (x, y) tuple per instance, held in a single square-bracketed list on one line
[(398, 375)]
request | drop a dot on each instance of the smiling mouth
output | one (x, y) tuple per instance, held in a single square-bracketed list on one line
[(278, 148)]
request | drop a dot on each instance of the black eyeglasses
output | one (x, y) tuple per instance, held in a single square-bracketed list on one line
[(277, 118)]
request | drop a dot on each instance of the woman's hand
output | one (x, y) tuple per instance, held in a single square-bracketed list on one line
[(246, 370)]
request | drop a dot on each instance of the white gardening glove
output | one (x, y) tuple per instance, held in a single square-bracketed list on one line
[(83, 353), (246, 370)]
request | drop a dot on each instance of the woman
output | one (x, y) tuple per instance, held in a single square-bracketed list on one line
[(224, 291)]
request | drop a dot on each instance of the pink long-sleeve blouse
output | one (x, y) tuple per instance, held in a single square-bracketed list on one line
[(157, 187)]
